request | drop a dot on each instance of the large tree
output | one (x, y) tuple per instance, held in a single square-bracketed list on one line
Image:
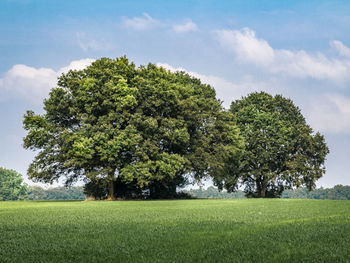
[(11, 185), (281, 150), (113, 122)]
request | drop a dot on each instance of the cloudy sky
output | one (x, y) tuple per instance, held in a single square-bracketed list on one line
[(300, 49)]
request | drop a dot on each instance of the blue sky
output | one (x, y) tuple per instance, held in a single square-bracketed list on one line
[(300, 49)]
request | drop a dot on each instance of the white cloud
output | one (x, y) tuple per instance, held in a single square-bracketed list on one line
[(330, 113), (169, 67), (300, 64), (227, 91), (35, 83), (29, 82), (142, 23), (340, 48), (76, 65), (247, 46), (187, 26), (87, 43)]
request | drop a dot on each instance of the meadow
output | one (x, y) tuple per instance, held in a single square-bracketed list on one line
[(240, 230)]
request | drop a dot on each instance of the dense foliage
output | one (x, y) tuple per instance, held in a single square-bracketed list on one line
[(143, 132), (281, 150), (146, 127), (11, 185)]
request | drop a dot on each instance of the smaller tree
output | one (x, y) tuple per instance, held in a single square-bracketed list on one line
[(281, 150), (11, 187)]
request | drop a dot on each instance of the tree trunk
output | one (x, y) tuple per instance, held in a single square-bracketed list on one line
[(111, 194), (258, 188), (261, 187)]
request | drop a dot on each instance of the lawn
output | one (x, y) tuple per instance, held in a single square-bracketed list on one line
[(239, 230)]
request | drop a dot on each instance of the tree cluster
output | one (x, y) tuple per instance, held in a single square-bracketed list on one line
[(12, 188), (11, 185), (144, 131), (55, 193), (338, 192), (214, 192)]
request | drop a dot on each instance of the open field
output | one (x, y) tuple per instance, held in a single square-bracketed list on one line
[(176, 231)]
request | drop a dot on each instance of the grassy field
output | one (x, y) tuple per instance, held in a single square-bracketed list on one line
[(176, 231)]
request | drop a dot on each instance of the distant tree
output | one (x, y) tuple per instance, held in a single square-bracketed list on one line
[(55, 193), (213, 192), (36, 193), (11, 185), (341, 192), (300, 193), (281, 150), (112, 122), (65, 193), (338, 192)]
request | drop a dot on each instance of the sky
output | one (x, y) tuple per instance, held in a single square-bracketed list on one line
[(300, 49)]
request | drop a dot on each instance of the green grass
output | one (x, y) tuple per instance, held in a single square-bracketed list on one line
[(176, 231)]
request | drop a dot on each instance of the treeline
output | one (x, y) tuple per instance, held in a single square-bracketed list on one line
[(12, 188), (213, 192), (55, 193), (338, 192)]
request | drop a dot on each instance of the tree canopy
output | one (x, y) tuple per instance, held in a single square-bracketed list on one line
[(138, 130), (11, 185), (281, 150), (113, 122)]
